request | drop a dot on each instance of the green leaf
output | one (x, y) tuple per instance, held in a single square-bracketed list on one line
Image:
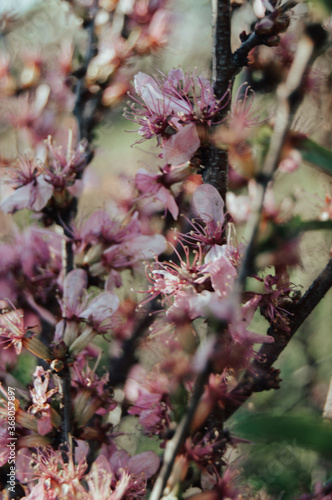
[(317, 155), (306, 432)]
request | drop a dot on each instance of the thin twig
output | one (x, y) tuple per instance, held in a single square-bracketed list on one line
[(240, 56), (173, 446)]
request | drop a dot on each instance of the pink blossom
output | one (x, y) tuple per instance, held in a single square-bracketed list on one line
[(158, 186), (122, 476), (32, 190), (57, 475), (209, 206), (181, 146), (120, 246), (149, 184), (92, 394), (170, 109), (150, 397), (238, 327)]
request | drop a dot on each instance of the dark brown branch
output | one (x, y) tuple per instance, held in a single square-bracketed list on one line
[(225, 66), (215, 160), (82, 117), (66, 216), (120, 366), (255, 376), (240, 56)]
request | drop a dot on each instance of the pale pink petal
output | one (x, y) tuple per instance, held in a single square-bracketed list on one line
[(208, 204), (180, 147), (249, 308), (145, 246), (176, 76), (44, 191), (223, 274), (119, 460), (31, 196), (74, 285), (238, 206), (134, 382), (101, 307), (141, 80), (102, 463), (166, 197), (44, 423), (146, 181), (144, 463)]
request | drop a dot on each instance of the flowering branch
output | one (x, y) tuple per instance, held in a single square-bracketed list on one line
[(256, 376), (84, 127), (290, 96)]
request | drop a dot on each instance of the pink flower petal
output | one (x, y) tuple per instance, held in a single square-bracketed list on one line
[(101, 307), (146, 247), (73, 288), (31, 196), (208, 203), (180, 147), (144, 463)]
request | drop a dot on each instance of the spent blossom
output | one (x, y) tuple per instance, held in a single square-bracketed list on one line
[(13, 332), (40, 395)]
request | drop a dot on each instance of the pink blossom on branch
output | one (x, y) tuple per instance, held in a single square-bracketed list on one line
[(158, 186), (170, 109)]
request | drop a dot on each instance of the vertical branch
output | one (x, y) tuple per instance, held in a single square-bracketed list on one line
[(222, 67), (84, 125), (173, 446), (216, 160)]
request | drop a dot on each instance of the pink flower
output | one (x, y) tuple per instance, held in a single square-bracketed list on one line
[(96, 314), (110, 245), (121, 476), (57, 475), (158, 186), (62, 168), (92, 394), (32, 190), (150, 396), (238, 328), (149, 184), (170, 109)]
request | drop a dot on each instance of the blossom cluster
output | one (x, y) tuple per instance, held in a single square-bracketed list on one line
[(119, 330), (173, 109)]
